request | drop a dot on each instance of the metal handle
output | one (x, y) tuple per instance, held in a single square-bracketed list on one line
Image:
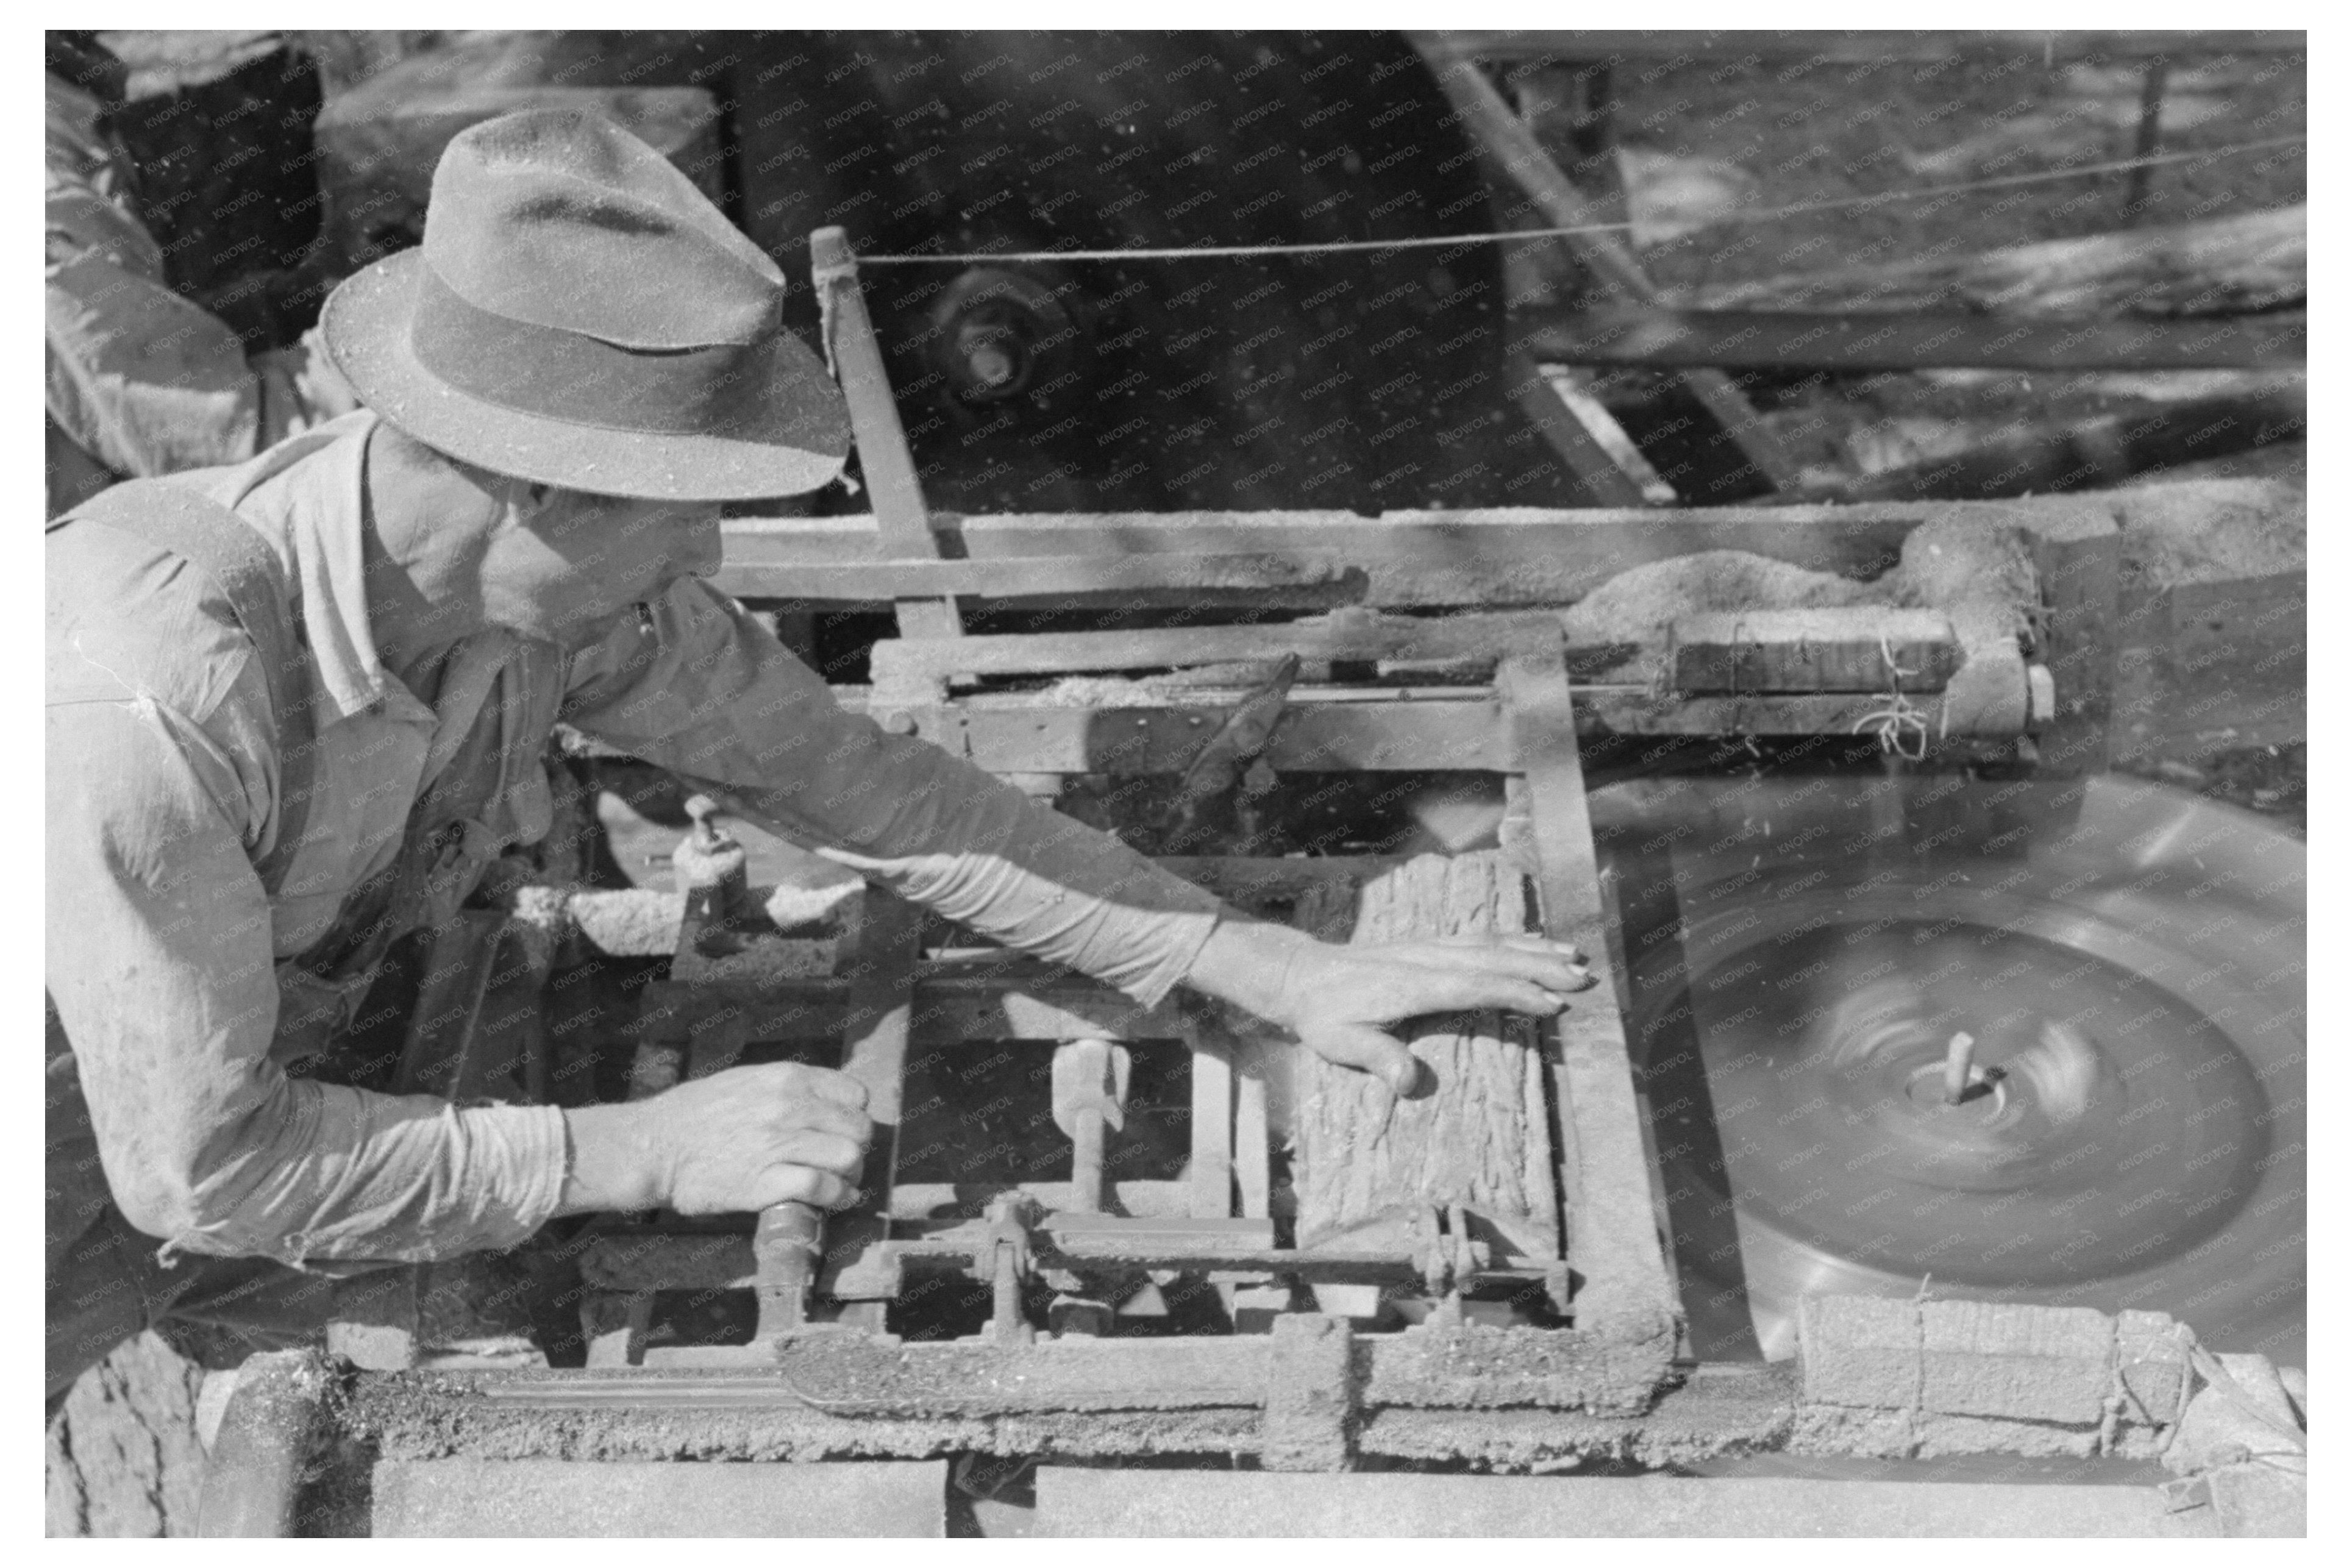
[(784, 1251)]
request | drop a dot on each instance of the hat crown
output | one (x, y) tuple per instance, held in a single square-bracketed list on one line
[(561, 218)]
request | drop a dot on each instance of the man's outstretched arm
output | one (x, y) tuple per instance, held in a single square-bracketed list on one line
[(711, 695)]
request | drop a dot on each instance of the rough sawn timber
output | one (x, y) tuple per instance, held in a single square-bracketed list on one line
[(1480, 1139)]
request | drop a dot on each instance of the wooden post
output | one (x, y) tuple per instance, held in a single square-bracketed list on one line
[(1613, 1237), (880, 965), (1510, 143), (882, 451)]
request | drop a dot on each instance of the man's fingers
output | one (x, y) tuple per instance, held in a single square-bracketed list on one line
[(823, 1083), (1525, 941), (1412, 992), (1364, 1047), (1550, 965), (801, 1184), (823, 1152)]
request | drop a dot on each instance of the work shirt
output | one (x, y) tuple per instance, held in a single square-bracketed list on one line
[(138, 380), (163, 780)]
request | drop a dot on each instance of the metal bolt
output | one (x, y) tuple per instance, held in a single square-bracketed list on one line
[(990, 365)]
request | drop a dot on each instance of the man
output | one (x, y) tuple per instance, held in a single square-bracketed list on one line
[(580, 362), (140, 380)]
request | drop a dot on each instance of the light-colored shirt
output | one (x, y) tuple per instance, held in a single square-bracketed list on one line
[(138, 380), (162, 789)]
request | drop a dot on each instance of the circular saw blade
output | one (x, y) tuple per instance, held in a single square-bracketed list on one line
[(2128, 1127)]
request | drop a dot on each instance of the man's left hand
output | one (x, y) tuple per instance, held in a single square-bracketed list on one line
[(1341, 1000)]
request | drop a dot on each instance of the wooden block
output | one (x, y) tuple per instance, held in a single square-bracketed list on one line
[(1211, 1173), (1790, 651), (1364, 1154), (2011, 1360), (1859, 1350)]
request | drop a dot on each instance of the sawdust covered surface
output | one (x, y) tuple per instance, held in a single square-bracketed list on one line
[(419, 1416)]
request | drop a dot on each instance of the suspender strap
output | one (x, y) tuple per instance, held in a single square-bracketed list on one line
[(241, 566)]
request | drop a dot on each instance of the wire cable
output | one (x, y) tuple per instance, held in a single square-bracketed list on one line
[(1767, 215)]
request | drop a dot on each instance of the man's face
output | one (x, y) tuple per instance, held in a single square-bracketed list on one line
[(560, 563)]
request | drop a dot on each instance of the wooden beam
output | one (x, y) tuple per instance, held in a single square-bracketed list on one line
[(882, 455), (1905, 340), (1497, 558), (880, 963), (1843, 46), (1604, 477), (1389, 737), (1510, 143), (1182, 579), (912, 664), (1211, 1173), (1605, 1180)]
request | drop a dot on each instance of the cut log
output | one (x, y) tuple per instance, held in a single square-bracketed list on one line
[(2251, 262), (1482, 1139), (124, 1458)]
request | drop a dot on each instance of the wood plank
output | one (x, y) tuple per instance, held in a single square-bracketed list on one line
[(1593, 465), (1491, 556), (912, 664), (1612, 1240), (1185, 579), (882, 455), (1416, 561), (1875, 340), (1382, 737), (1845, 46)]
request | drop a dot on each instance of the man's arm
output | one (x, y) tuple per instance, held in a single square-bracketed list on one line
[(160, 963), (713, 696)]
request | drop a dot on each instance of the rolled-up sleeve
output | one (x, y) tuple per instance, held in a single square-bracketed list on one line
[(159, 962), (710, 694)]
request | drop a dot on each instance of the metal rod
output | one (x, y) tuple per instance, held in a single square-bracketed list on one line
[(784, 1249), (1957, 1061)]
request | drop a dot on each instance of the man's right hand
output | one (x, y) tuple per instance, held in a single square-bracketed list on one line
[(733, 1142)]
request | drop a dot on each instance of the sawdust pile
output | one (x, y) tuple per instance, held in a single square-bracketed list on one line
[(1952, 561)]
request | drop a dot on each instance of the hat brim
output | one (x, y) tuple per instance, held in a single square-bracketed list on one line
[(798, 445)]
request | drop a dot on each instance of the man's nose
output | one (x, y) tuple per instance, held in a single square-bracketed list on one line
[(700, 547)]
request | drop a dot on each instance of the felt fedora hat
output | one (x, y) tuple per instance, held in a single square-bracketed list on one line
[(582, 316)]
